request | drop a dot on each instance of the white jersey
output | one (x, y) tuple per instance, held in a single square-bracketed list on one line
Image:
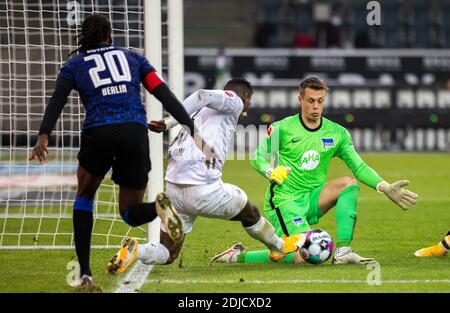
[(215, 114)]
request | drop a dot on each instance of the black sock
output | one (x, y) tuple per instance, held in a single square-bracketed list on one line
[(82, 227), (445, 244), (140, 214)]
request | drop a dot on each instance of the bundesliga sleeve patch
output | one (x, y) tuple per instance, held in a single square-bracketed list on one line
[(328, 143), (229, 93)]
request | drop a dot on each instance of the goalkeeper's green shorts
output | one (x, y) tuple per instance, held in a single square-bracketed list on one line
[(295, 217)]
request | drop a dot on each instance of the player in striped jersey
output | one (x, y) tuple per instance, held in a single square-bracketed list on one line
[(298, 194)]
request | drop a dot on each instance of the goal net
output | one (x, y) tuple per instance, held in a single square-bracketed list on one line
[(36, 200)]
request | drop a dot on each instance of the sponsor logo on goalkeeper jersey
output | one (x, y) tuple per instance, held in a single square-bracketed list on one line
[(297, 221), (328, 143), (309, 160)]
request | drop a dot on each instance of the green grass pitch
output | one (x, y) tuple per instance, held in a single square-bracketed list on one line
[(383, 231)]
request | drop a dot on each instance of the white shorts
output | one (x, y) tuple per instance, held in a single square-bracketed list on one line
[(216, 200)]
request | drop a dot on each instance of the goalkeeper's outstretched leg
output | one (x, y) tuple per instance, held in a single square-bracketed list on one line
[(439, 249)]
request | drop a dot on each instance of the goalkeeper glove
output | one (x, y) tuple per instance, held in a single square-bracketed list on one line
[(402, 197), (278, 174)]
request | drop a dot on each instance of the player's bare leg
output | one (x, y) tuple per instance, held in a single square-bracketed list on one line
[(83, 222), (343, 193), (129, 197), (87, 183), (173, 247), (260, 229)]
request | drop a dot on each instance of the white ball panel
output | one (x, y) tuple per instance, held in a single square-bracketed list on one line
[(324, 255), (314, 249)]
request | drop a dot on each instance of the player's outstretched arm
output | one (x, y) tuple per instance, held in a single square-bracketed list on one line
[(165, 124), (52, 112), (400, 196), (213, 99), (365, 174), (40, 151), (157, 87), (173, 106)]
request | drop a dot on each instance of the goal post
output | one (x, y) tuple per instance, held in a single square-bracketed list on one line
[(35, 40), (153, 51), (159, 42)]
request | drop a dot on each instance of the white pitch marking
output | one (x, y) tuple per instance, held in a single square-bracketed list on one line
[(295, 281), (135, 278)]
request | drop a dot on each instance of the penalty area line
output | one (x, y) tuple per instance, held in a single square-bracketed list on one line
[(134, 279), (295, 281)]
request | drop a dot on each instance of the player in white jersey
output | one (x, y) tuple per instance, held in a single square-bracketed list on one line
[(195, 188)]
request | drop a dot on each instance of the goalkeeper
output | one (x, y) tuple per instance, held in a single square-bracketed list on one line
[(298, 195)]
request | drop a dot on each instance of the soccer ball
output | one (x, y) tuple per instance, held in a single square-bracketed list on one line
[(318, 247)]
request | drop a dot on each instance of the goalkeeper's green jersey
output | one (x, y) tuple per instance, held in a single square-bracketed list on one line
[(308, 153)]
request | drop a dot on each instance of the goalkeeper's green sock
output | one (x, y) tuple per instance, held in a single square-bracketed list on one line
[(262, 256), (346, 215)]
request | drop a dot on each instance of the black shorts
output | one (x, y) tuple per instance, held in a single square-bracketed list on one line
[(124, 147)]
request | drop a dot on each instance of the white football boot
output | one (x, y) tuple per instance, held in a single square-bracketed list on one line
[(229, 255), (351, 257)]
